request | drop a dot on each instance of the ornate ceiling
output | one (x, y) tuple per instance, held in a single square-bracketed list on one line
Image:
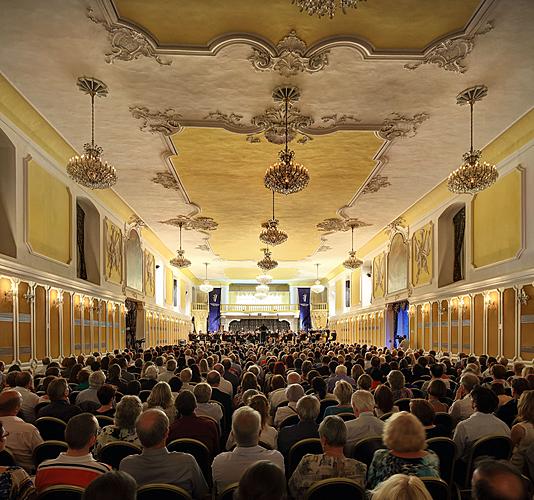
[(191, 125)]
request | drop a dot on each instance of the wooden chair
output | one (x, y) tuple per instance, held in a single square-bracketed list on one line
[(51, 428), (159, 491), (299, 449), (438, 488), (228, 492), (364, 449), (112, 453), (386, 416), (104, 420), (324, 404), (48, 450), (61, 492), (446, 450), (335, 487), (72, 396), (40, 405), (418, 393), (199, 450)]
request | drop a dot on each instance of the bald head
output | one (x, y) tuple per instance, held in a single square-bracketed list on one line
[(293, 378), (10, 403), (152, 428), (497, 480), (219, 367)]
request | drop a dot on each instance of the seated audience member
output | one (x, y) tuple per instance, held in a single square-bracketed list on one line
[(83, 379), (228, 467), (76, 466), (217, 394), (112, 485), (481, 423), (423, 410), (106, 396), (401, 487), (343, 393), (523, 432), (268, 433), (308, 410), (277, 394), (384, 401), (156, 464), (293, 393), (339, 374), (133, 388), (149, 378), (435, 391), (45, 382), (498, 390), (462, 407), (224, 385), (332, 463), (186, 376), (364, 382), (189, 425), (59, 407), (437, 371), (176, 386), (161, 397), (508, 411), (170, 368), (498, 373), (123, 429), (366, 424), (202, 394), (396, 382), (24, 381), (248, 382), (319, 389), (497, 480), (262, 481), (96, 380), (115, 378), (15, 484), (405, 439)]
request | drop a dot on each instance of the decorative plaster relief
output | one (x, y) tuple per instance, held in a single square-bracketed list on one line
[(195, 223), (336, 224), (375, 184), (157, 122), (232, 119), (167, 180), (401, 126)]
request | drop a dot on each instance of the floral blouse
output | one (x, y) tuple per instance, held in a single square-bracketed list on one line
[(111, 433), (15, 484)]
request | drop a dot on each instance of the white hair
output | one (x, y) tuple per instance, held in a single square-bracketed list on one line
[(363, 401), (341, 370)]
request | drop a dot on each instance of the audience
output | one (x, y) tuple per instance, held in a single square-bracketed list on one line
[(462, 407), (401, 487), (24, 386), (522, 434), (96, 380), (161, 397), (424, 411), (205, 407), (366, 424), (384, 401), (293, 393), (59, 407), (497, 480), (508, 411), (343, 394), (106, 397), (114, 485), (262, 481)]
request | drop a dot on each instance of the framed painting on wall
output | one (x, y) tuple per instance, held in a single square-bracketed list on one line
[(112, 252)]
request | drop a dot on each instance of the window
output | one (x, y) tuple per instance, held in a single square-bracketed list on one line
[(451, 245), (347, 293), (7, 196), (87, 241), (175, 292)]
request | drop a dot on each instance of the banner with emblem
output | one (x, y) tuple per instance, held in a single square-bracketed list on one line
[(304, 308), (214, 318)]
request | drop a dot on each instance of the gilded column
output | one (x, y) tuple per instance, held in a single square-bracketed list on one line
[(518, 289), (449, 324), (16, 324), (72, 327), (47, 320), (30, 297), (487, 305), (500, 315), (59, 302)]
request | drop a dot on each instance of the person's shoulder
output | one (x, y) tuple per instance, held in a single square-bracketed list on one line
[(223, 457), (380, 454), (182, 458)]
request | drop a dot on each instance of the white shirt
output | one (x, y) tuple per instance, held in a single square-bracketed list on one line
[(364, 426), (22, 440), (165, 376), (268, 435), (285, 411), (462, 409), (212, 410), (29, 401), (228, 467), (276, 397), (226, 386)]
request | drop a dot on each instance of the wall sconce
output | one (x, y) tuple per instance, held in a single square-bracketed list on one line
[(29, 296), (8, 295), (59, 301), (461, 303), (488, 301)]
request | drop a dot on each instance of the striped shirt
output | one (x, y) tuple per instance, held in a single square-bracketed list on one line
[(69, 470)]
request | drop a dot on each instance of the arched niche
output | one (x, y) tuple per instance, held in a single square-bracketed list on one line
[(8, 185), (397, 269), (134, 261), (87, 241), (451, 245)]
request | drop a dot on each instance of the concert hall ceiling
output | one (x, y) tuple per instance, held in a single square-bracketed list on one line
[(189, 120)]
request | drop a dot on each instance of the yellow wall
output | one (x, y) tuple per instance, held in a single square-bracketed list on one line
[(49, 214), (339, 296), (497, 221), (169, 277), (183, 295), (355, 298), (422, 244)]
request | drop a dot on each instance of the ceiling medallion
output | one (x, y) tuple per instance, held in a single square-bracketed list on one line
[(285, 176), (401, 126), (206, 286), (267, 263), (352, 262), (180, 261), (474, 175), (325, 7), (317, 287), (157, 122), (335, 224), (198, 223), (88, 169), (264, 279), (271, 235)]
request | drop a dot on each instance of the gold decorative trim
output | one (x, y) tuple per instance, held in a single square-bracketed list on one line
[(157, 122), (421, 249), (400, 126), (197, 223), (376, 183), (113, 251)]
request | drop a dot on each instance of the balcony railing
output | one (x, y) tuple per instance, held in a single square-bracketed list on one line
[(259, 308)]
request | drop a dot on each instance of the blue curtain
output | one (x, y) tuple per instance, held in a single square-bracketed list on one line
[(304, 308), (214, 318)]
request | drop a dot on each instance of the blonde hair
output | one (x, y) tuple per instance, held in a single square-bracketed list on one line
[(404, 432), (160, 395), (525, 407), (343, 392), (401, 487)]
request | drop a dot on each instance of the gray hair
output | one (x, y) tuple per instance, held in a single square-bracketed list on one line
[(308, 408), (127, 411), (396, 379), (293, 378), (469, 381), (186, 375), (152, 427), (333, 430), (294, 392), (363, 401), (202, 392), (97, 379), (171, 365), (246, 426), (151, 372), (341, 370)]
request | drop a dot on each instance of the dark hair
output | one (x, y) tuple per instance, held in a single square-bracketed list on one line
[(80, 429), (498, 371), (423, 410), (319, 386), (175, 384), (485, 400), (384, 398), (111, 486), (520, 385), (437, 388), (73, 377), (487, 482), (23, 379), (106, 393), (11, 378), (437, 370), (498, 388), (185, 403), (133, 388), (262, 481)]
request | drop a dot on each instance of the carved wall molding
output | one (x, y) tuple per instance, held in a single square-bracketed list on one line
[(376, 183), (198, 223), (204, 246), (401, 126), (167, 180), (157, 122), (290, 57), (398, 225), (451, 53)]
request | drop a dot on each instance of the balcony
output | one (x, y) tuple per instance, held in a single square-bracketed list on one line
[(259, 308)]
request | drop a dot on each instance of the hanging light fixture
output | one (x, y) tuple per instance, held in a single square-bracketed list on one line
[(264, 279), (180, 261), (317, 287), (262, 289), (285, 176), (260, 295), (474, 175), (324, 7), (206, 287), (352, 262), (88, 169), (271, 235), (267, 263)]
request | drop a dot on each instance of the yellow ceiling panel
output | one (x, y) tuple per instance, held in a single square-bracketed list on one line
[(247, 273), (223, 174), (387, 24)]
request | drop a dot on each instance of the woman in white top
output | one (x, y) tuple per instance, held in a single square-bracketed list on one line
[(523, 432)]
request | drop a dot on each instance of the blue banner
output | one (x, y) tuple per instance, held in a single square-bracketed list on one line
[(214, 318), (304, 308)]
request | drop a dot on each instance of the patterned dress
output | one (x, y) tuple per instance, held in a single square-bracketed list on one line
[(313, 468), (112, 433), (385, 464), (15, 484)]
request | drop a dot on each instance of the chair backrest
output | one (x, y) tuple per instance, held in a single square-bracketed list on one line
[(159, 491), (51, 428), (299, 449), (228, 492), (364, 449), (446, 450), (444, 420), (418, 383), (335, 487), (48, 450), (403, 404), (291, 420), (40, 405), (438, 488), (61, 492), (324, 404), (418, 393), (118, 396), (104, 420), (199, 450), (143, 395), (72, 396), (346, 416), (497, 447), (112, 453), (7, 459), (386, 416)]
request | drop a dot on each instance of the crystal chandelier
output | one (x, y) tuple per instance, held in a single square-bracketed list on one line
[(180, 261), (324, 7), (267, 263), (264, 279), (285, 176), (262, 289), (271, 235), (474, 175), (88, 169), (206, 287), (260, 295), (317, 287), (352, 262)]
